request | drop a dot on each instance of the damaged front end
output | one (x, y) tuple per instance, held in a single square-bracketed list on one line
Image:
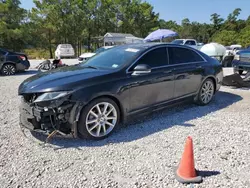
[(47, 112)]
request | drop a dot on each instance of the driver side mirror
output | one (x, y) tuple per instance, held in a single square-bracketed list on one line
[(141, 69)]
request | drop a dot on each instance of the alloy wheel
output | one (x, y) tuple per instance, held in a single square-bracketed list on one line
[(207, 91), (101, 119), (8, 70)]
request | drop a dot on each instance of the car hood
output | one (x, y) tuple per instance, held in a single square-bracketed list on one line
[(87, 55), (61, 79)]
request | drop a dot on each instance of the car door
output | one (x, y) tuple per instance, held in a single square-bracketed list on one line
[(188, 68), (154, 87)]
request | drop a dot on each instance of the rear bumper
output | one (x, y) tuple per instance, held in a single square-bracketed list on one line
[(67, 55)]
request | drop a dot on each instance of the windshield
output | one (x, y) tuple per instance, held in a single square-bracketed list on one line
[(112, 58), (66, 46), (178, 42)]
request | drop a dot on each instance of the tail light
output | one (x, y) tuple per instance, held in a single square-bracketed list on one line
[(22, 57)]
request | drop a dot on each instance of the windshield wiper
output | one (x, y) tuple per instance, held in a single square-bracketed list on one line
[(91, 67)]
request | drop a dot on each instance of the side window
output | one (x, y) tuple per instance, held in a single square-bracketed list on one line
[(183, 55), (155, 58), (190, 42)]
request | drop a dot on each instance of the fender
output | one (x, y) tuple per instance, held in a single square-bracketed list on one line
[(206, 77)]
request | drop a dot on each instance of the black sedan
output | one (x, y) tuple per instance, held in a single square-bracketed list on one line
[(91, 99), (12, 62)]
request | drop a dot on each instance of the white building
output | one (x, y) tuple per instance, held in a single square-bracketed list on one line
[(120, 38)]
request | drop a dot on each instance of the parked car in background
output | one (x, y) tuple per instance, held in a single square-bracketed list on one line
[(88, 55), (189, 42), (64, 50), (233, 49), (12, 62), (241, 61), (91, 99)]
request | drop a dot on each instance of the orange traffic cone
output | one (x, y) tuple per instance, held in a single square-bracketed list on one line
[(186, 172)]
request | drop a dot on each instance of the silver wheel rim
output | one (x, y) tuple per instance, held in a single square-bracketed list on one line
[(101, 119), (9, 70), (207, 92)]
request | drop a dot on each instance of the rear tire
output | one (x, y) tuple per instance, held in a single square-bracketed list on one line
[(98, 119), (8, 69), (206, 92)]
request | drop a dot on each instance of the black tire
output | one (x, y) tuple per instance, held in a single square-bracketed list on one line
[(199, 99), (240, 72), (82, 126), (8, 69)]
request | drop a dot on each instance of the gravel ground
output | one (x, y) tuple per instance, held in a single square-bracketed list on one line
[(141, 153)]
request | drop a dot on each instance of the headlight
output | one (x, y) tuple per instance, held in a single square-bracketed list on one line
[(51, 96), (237, 57)]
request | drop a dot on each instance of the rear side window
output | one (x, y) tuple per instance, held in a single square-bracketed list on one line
[(155, 58), (190, 42), (183, 55), (2, 52), (65, 46)]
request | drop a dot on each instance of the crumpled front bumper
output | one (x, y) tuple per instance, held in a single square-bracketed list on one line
[(45, 120), (26, 116)]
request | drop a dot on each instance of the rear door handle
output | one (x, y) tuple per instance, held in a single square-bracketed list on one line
[(199, 67), (167, 72)]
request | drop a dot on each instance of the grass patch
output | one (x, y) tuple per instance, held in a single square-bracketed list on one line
[(37, 53)]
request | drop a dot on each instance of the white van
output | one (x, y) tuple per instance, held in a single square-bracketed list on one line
[(64, 50)]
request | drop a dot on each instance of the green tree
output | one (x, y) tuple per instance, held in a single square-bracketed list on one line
[(11, 17), (225, 37)]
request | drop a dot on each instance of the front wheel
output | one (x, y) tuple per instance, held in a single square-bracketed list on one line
[(99, 119), (206, 92)]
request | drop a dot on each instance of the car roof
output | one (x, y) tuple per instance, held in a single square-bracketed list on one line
[(144, 46)]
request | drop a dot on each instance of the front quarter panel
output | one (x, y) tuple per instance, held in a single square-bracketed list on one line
[(113, 88)]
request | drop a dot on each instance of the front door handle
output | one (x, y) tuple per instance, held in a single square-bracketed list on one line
[(169, 71), (199, 67)]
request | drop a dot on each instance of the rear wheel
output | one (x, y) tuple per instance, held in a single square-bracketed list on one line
[(8, 69), (99, 119), (206, 92), (240, 72)]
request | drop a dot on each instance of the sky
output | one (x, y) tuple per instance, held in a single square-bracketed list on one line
[(195, 10)]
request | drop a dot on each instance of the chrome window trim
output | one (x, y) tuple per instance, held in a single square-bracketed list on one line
[(190, 63), (166, 46)]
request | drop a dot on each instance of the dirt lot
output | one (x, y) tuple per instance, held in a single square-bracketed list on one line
[(141, 153)]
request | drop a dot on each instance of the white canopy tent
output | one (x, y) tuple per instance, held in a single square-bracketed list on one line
[(120, 38)]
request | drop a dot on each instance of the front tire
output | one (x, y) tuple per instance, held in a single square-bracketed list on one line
[(99, 119), (206, 92), (8, 69)]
